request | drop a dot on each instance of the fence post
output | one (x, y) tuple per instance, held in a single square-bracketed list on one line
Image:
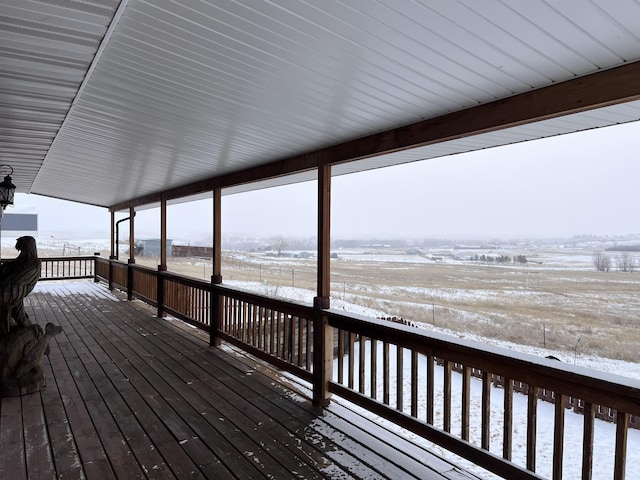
[(160, 290), (322, 353), (215, 312)]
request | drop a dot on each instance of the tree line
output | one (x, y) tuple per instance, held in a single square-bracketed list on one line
[(502, 259), (623, 262)]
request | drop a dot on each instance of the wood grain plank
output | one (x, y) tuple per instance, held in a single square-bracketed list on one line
[(39, 457), (12, 448)]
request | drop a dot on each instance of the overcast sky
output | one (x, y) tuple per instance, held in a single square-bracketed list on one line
[(584, 183)]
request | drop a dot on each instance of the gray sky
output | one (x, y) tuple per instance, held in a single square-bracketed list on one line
[(584, 183)]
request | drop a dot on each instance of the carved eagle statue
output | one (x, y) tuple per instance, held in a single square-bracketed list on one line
[(17, 279)]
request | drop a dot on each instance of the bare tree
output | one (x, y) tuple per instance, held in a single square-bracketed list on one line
[(279, 243), (625, 262), (601, 261)]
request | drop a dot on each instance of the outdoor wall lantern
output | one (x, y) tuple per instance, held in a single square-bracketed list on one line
[(7, 188)]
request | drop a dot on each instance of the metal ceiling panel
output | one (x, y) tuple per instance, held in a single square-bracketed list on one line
[(135, 97), (46, 48)]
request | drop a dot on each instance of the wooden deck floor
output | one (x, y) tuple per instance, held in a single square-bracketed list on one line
[(132, 396)]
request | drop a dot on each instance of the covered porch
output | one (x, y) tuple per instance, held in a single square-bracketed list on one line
[(132, 105)]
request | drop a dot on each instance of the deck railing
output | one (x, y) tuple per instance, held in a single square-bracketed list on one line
[(278, 331), (57, 268), (404, 374)]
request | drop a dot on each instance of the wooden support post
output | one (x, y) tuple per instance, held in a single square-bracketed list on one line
[(163, 234), (622, 430), (132, 253), (113, 235), (216, 312), (217, 237), (532, 425), (322, 332), (558, 436), (587, 440), (322, 353), (163, 258), (324, 232), (132, 237)]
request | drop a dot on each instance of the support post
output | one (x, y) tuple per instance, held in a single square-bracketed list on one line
[(163, 233), (163, 257), (215, 319), (132, 253), (132, 237), (216, 259), (322, 332), (113, 235)]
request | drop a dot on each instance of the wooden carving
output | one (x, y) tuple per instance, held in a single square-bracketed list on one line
[(21, 343)]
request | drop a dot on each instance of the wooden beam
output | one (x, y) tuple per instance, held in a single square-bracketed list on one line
[(324, 233), (601, 89)]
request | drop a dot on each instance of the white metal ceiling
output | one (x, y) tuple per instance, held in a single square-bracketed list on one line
[(181, 91)]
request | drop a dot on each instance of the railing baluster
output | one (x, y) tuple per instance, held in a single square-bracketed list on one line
[(486, 410), (361, 363), (374, 368), (466, 401), (622, 427), (414, 383), (587, 440), (341, 340), (270, 332), (532, 420), (446, 420), (300, 343), (352, 343), (399, 377), (430, 388), (558, 435), (255, 327), (309, 339), (244, 319), (287, 334), (385, 373), (279, 334), (236, 317), (507, 432)]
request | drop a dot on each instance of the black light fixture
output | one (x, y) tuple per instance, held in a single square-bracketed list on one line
[(7, 188)]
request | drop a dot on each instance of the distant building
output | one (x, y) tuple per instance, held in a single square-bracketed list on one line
[(151, 247), (19, 224), (193, 251)]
